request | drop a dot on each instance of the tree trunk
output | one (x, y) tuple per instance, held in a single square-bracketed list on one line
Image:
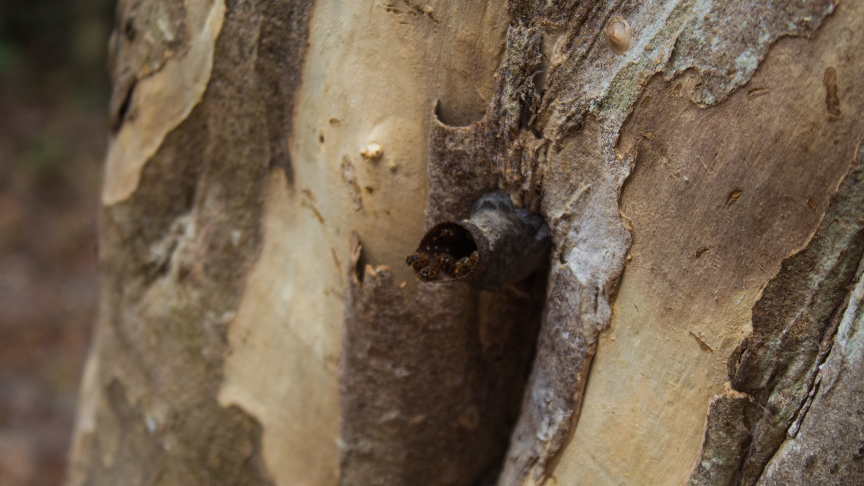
[(271, 163)]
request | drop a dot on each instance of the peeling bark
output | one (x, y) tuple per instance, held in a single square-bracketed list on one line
[(727, 435), (172, 247), (151, 100), (251, 138), (793, 331), (714, 208), (826, 448), (795, 320)]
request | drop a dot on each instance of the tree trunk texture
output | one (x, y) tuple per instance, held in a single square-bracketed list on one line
[(271, 163)]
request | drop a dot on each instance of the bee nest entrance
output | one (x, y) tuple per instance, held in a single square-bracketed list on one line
[(496, 246)]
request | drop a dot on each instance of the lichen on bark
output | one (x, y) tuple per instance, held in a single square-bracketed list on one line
[(726, 41)]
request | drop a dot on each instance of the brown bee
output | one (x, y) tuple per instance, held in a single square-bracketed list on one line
[(428, 274), (417, 260), (445, 235), (445, 262), (461, 267), (464, 265)]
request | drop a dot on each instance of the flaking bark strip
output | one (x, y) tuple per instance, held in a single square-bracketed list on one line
[(551, 404), (153, 102), (829, 446), (727, 434), (429, 387), (580, 200), (142, 41), (793, 327), (516, 105)]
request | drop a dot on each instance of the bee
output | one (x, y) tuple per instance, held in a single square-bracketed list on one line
[(445, 235), (410, 259), (428, 274), (465, 264), (461, 267), (417, 260), (445, 262)]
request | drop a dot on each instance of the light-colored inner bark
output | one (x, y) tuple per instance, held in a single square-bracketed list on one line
[(372, 75), (161, 102)]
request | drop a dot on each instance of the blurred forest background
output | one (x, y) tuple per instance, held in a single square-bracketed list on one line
[(53, 97)]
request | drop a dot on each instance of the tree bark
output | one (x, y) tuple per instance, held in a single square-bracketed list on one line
[(271, 163)]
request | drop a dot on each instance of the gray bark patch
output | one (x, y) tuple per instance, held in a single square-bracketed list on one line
[(281, 52), (729, 417), (726, 41)]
